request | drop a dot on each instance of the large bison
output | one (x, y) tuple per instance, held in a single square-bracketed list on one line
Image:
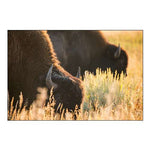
[(32, 63), (87, 49)]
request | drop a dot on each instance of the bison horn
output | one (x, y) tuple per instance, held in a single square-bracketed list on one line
[(49, 81), (118, 51), (78, 73)]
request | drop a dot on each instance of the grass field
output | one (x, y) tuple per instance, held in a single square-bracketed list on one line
[(106, 98)]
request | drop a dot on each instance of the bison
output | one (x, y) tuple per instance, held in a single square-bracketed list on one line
[(89, 50), (32, 63)]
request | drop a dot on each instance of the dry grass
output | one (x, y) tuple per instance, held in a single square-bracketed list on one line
[(106, 98)]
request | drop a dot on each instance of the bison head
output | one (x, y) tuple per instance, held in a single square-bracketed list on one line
[(118, 58), (67, 90)]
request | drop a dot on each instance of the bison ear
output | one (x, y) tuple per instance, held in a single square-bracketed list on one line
[(118, 51), (49, 81), (78, 73)]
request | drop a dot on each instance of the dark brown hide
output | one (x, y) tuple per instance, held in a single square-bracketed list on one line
[(30, 55), (87, 49)]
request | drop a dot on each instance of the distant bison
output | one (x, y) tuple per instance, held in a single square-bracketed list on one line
[(32, 63), (89, 50)]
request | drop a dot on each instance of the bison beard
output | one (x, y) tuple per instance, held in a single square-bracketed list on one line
[(32, 63), (89, 50)]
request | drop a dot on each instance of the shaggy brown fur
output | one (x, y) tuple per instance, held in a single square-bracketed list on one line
[(87, 49), (30, 55)]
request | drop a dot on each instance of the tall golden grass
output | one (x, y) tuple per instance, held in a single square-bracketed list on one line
[(106, 98)]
